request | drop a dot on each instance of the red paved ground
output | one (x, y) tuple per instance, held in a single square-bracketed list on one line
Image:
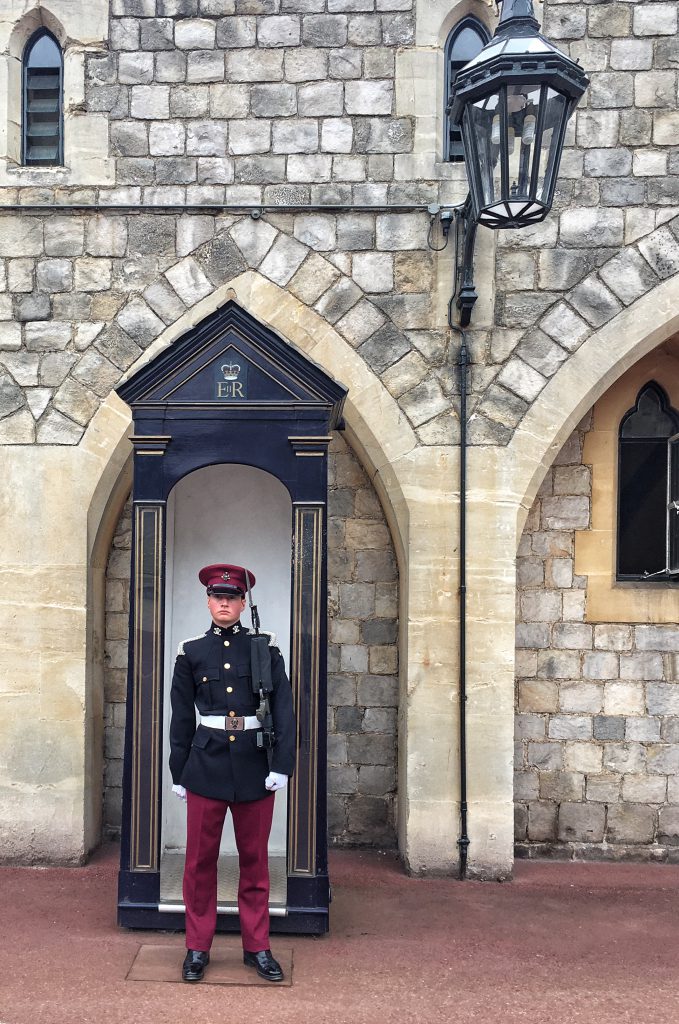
[(575, 943)]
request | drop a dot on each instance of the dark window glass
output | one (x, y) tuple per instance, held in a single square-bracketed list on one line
[(645, 432), (464, 42), (42, 101)]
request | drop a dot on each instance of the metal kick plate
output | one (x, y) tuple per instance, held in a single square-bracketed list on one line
[(172, 871)]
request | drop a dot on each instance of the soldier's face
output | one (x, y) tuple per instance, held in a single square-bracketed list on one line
[(225, 609)]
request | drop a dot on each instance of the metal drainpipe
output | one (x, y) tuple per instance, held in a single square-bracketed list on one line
[(462, 363)]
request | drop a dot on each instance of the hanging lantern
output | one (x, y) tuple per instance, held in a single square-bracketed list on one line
[(513, 101)]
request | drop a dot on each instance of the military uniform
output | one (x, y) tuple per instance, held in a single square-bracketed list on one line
[(219, 766), (213, 672)]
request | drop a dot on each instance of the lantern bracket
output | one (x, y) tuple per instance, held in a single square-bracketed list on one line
[(464, 292)]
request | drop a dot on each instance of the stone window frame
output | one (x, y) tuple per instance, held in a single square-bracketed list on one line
[(33, 41), (480, 28), (609, 599), (662, 441), (86, 158)]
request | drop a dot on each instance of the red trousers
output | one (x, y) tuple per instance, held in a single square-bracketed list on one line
[(251, 826)]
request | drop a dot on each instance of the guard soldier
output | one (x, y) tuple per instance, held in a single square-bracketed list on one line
[(223, 763)]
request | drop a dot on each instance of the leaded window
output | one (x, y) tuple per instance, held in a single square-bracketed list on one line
[(648, 488), (42, 101), (464, 42)]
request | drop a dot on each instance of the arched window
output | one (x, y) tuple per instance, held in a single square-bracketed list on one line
[(465, 40), (42, 101), (648, 487)]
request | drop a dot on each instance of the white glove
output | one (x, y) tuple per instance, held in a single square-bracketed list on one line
[(180, 791), (274, 781)]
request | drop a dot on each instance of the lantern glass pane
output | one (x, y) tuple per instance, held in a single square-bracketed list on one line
[(522, 114), (486, 131), (556, 111)]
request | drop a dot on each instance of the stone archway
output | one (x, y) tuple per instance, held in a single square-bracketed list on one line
[(503, 483), (419, 519)]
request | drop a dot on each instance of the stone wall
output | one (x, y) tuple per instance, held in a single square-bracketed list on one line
[(362, 661), (597, 705)]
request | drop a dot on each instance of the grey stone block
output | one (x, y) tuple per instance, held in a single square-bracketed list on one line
[(170, 66), (668, 826), (349, 719), (152, 235), (325, 30), (338, 299), (661, 250), (259, 170), (384, 347), (583, 823), (376, 780), (118, 346), (189, 100), (345, 63), (373, 749), (342, 779), (561, 785), (609, 727), (630, 823), (570, 727), (254, 65), (546, 756), (96, 373), (128, 138), (378, 691), (205, 66), (365, 30), (55, 366), (383, 135), (398, 29), (157, 34)]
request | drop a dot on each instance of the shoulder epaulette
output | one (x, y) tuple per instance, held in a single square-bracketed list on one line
[(265, 632), (180, 649)]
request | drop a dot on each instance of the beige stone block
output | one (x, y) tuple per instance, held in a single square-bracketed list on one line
[(383, 660), (581, 696), (623, 698), (603, 789), (538, 695), (644, 789), (583, 757), (366, 535)]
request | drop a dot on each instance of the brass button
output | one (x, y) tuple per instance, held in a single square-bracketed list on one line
[(204, 679), (227, 664), (226, 643), (232, 714), (232, 738), (229, 689)]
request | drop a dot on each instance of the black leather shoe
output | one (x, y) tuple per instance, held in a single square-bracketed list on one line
[(194, 965), (264, 964)]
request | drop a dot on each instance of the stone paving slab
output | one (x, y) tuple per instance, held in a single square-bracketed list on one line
[(163, 963)]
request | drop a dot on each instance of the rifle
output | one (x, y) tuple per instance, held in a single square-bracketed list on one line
[(260, 666)]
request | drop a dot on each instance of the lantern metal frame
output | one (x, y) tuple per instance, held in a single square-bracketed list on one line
[(517, 56)]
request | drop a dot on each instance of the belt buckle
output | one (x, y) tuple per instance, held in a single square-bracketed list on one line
[(234, 724)]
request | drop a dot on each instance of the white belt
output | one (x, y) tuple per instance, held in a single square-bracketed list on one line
[(223, 722)]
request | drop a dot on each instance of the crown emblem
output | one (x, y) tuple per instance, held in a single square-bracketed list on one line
[(230, 371)]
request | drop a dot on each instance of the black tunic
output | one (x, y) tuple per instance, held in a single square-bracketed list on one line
[(213, 672)]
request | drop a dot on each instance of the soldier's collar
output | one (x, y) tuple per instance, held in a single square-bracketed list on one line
[(227, 630)]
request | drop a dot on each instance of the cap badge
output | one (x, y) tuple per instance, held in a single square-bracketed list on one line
[(226, 576)]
